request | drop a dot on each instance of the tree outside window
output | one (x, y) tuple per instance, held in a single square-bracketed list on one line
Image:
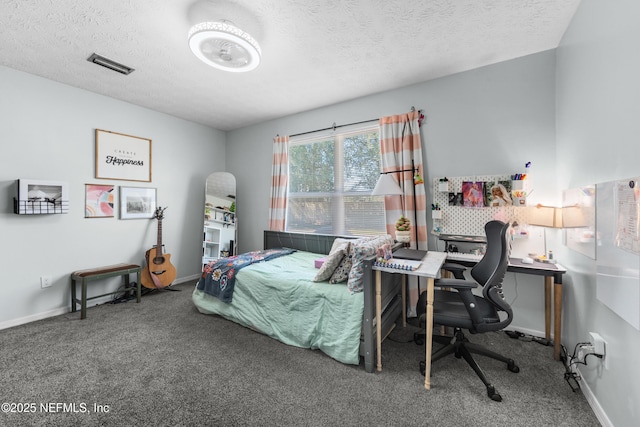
[(330, 183)]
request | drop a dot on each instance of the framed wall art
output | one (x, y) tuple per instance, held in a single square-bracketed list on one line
[(120, 156), (137, 202), (98, 201)]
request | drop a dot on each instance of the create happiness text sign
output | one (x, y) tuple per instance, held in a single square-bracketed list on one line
[(120, 156)]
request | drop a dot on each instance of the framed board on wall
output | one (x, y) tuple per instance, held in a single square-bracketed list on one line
[(618, 248), (124, 157)]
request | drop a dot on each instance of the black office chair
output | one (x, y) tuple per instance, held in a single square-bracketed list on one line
[(456, 270), (461, 309)]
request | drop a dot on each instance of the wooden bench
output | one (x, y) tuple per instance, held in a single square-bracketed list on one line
[(98, 273)]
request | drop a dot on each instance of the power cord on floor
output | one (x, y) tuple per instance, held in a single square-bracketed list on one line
[(525, 337), (390, 338), (128, 293), (570, 362)]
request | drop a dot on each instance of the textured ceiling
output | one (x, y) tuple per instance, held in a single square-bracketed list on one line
[(315, 53)]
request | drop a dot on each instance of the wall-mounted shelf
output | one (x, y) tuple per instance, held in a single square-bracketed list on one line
[(35, 197), (40, 207), (221, 216)]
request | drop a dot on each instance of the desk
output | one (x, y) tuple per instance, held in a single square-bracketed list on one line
[(552, 278), (430, 268)]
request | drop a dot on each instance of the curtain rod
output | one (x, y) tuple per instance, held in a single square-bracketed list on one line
[(334, 127)]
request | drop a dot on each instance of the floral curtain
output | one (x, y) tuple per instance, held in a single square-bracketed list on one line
[(279, 183)]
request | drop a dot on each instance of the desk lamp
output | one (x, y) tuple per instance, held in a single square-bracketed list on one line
[(387, 186), (545, 216)]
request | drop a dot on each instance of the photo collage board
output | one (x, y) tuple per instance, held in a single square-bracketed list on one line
[(466, 203)]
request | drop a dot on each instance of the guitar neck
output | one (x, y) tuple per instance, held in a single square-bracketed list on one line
[(159, 246)]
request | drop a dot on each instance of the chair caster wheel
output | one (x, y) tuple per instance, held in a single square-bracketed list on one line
[(493, 394), (511, 365), (417, 338), (423, 367)]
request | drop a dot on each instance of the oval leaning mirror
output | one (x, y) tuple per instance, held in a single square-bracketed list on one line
[(220, 220)]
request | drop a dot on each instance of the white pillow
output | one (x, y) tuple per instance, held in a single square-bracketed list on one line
[(338, 242), (338, 251)]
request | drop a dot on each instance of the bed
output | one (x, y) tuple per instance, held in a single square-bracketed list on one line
[(280, 299)]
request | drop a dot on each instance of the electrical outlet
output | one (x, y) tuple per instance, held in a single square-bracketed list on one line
[(45, 281), (599, 344), (584, 350)]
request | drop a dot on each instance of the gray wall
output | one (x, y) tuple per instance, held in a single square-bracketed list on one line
[(597, 139), (48, 134), (486, 121)]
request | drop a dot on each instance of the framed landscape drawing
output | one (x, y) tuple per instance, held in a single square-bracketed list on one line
[(137, 202), (120, 156)]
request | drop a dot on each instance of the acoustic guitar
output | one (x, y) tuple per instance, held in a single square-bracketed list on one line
[(160, 272)]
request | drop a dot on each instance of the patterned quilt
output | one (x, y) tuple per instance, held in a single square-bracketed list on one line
[(218, 277)]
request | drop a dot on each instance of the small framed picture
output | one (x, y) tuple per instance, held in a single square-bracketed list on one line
[(498, 193), (98, 201), (473, 194), (137, 202)]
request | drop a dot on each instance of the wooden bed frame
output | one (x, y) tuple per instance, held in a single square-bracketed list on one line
[(391, 288)]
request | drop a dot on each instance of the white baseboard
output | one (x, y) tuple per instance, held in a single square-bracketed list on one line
[(64, 310), (584, 387), (593, 403), (33, 318), (193, 277)]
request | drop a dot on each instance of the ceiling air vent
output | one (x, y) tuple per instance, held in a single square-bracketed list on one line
[(107, 63)]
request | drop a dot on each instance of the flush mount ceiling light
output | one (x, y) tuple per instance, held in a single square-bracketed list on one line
[(224, 46)]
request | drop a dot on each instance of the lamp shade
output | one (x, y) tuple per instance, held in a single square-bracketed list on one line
[(544, 216), (574, 217), (386, 186)]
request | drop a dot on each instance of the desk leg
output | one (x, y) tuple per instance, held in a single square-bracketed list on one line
[(547, 306), (557, 319), (429, 333), (379, 319), (404, 301)]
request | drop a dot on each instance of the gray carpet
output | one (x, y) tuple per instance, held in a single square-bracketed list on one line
[(162, 363)]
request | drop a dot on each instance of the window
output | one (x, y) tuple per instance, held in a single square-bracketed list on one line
[(330, 182)]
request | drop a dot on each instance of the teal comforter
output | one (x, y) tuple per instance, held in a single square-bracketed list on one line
[(279, 298)]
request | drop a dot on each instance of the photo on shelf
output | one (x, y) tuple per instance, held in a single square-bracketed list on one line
[(41, 197), (473, 193), (498, 193)]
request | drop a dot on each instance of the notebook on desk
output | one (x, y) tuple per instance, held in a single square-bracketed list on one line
[(399, 264), (406, 253)]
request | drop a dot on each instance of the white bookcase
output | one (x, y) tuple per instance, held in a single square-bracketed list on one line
[(217, 236), (211, 243)]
